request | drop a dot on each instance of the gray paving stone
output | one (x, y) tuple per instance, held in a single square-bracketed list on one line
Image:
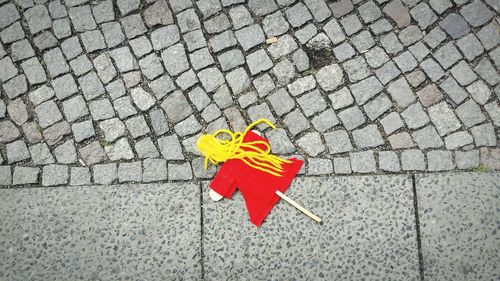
[(319, 166), (201, 59), (493, 111), (133, 26), (338, 142), (217, 24), (432, 69), (5, 175), (124, 107), (389, 161), (105, 173), (103, 11), (363, 41), (401, 93), (180, 171), (367, 137), (37, 18), (470, 46), (112, 34), (25, 175), (440, 160), (258, 61), (363, 162), (376, 57), (430, 95), (170, 148), (401, 140), (120, 150), (273, 24), (81, 18), (186, 80), (175, 59), (352, 117), (231, 59), (211, 79), (92, 154), (453, 90), (47, 113), (81, 65), (298, 14), (341, 8), (18, 112), (222, 41), (391, 43), (412, 160), (60, 199), (112, 128), (21, 49), (325, 120), (71, 47), (154, 170), (12, 33), (467, 210), (130, 172), (312, 103), (463, 73), (351, 24), (9, 69), (398, 12), (142, 99), (406, 62), (415, 116), (17, 151), (101, 109), (486, 71), (369, 11), (447, 55), (281, 102), (457, 140), (123, 59), (296, 122), (79, 176), (366, 89), (443, 118), (416, 78), (476, 13), (93, 41), (241, 17), (419, 51), (279, 141), (330, 77), (343, 51), (484, 135), (319, 9), (215, 212), (57, 132), (467, 159), (66, 153), (391, 122), (309, 31), (387, 72), (377, 106), (261, 7), (141, 45), (489, 36), (188, 21), (145, 148), (427, 137), (250, 36), (16, 86), (8, 15), (188, 126), (40, 154), (31, 131), (137, 126), (55, 175), (311, 144), (195, 40), (423, 15), (479, 91), (410, 35), (285, 45), (382, 26), (83, 130), (356, 69)]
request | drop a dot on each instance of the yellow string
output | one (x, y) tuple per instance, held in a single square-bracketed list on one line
[(218, 150)]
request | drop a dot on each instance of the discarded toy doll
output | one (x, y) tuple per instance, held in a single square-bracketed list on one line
[(261, 177)]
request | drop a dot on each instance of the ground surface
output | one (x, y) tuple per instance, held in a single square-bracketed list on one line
[(99, 92), (370, 231)]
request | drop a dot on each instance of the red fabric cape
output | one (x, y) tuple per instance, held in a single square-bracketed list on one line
[(258, 188)]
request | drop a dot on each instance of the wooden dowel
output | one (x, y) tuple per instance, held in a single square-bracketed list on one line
[(297, 205)]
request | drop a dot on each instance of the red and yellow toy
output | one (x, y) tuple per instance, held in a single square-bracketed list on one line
[(261, 177)]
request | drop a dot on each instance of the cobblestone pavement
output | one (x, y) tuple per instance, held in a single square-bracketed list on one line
[(119, 91)]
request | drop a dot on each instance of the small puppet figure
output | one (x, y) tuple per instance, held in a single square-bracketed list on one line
[(261, 177)]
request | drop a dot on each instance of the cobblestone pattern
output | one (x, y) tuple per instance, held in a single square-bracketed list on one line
[(119, 91)]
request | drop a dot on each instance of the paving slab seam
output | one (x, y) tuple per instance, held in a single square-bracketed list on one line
[(202, 249), (417, 228)]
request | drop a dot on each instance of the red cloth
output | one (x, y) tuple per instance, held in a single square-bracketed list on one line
[(258, 188)]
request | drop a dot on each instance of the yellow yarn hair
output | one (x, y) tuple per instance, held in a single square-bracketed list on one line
[(217, 150)]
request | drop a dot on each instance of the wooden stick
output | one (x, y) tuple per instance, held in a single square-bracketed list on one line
[(297, 205)]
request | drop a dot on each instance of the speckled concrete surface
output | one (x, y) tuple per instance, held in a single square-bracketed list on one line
[(459, 222), (127, 232), (368, 233)]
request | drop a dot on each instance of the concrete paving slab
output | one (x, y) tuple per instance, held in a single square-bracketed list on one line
[(126, 232), (368, 233), (459, 215)]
